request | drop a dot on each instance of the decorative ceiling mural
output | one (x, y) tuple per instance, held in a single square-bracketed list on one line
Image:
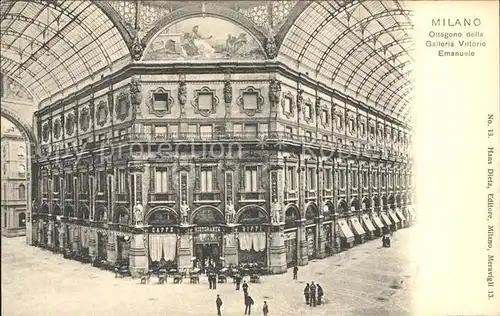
[(204, 38)]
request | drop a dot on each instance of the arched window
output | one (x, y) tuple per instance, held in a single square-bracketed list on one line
[(22, 192), (22, 220)]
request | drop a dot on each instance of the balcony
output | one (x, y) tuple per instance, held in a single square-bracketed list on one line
[(291, 195), (310, 194), (207, 197), (258, 196), (83, 196), (102, 197), (162, 197)]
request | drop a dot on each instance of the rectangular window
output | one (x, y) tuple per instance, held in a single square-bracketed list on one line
[(308, 136), (102, 137), (355, 178), (173, 130), (339, 121), (160, 130), (327, 178), (160, 101), (288, 131), (288, 105), (45, 184), (308, 110), (101, 181), (250, 101), (290, 178), (383, 180), (84, 185), (352, 125), (56, 183), (205, 101), (161, 180), (342, 179), (206, 131), (365, 179), (311, 178), (251, 130), (326, 138), (206, 179), (68, 182), (325, 117), (251, 179), (372, 130), (122, 181)]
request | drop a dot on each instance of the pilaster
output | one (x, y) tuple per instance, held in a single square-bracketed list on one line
[(138, 262), (184, 254), (302, 255), (277, 250), (320, 238), (231, 246)]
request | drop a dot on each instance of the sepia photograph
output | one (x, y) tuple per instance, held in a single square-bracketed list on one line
[(237, 157)]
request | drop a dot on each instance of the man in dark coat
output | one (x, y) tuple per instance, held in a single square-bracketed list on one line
[(319, 289), (218, 303), (214, 280), (265, 309), (209, 280), (248, 304), (312, 294), (245, 288), (295, 270), (306, 293)]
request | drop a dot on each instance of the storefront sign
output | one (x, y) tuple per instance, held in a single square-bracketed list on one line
[(184, 191), (274, 186), (207, 238), (229, 186), (252, 228), (161, 230), (205, 229)]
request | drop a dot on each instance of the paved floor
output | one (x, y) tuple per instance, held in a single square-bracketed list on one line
[(366, 280)]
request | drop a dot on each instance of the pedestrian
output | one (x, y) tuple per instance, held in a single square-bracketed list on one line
[(312, 295), (306, 293), (319, 289), (383, 241), (248, 304), (218, 303), (265, 309), (295, 270), (209, 280), (238, 282), (245, 287), (214, 281)]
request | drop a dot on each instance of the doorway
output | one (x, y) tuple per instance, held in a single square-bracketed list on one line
[(207, 254)]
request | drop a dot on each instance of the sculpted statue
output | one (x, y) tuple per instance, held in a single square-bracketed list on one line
[(276, 211), (271, 47), (228, 92), (35, 205), (300, 100), (139, 213), (230, 212), (182, 94), (274, 92), (184, 212), (135, 92)]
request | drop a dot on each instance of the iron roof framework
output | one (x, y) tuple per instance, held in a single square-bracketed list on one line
[(363, 46), (52, 45)]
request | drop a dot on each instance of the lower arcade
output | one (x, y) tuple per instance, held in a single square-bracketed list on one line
[(206, 240)]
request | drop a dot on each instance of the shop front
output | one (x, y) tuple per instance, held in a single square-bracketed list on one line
[(358, 230), (346, 235), (368, 226), (311, 214), (208, 237), (162, 238), (389, 226), (292, 216), (394, 218), (329, 240), (400, 215), (252, 236)]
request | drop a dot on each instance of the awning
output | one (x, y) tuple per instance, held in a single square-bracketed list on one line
[(368, 223), (358, 229), (386, 219), (345, 231), (393, 216), (412, 210), (377, 221), (400, 214)]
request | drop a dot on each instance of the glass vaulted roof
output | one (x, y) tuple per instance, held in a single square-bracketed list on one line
[(363, 48), (51, 45)]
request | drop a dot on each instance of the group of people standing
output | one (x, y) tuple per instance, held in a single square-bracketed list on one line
[(313, 294), (248, 300)]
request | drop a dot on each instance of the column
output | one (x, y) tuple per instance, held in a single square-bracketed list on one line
[(277, 250), (92, 235), (302, 255), (231, 246), (75, 230), (320, 238), (50, 233), (184, 254), (138, 262)]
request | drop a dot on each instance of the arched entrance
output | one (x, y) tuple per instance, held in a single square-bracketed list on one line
[(8, 113), (328, 227), (311, 233), (365, 204), (292, 216), (354, 204), (252, 237), (207, 238), (162, 242)]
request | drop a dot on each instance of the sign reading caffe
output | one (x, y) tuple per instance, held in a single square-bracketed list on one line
[(161, 230)]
